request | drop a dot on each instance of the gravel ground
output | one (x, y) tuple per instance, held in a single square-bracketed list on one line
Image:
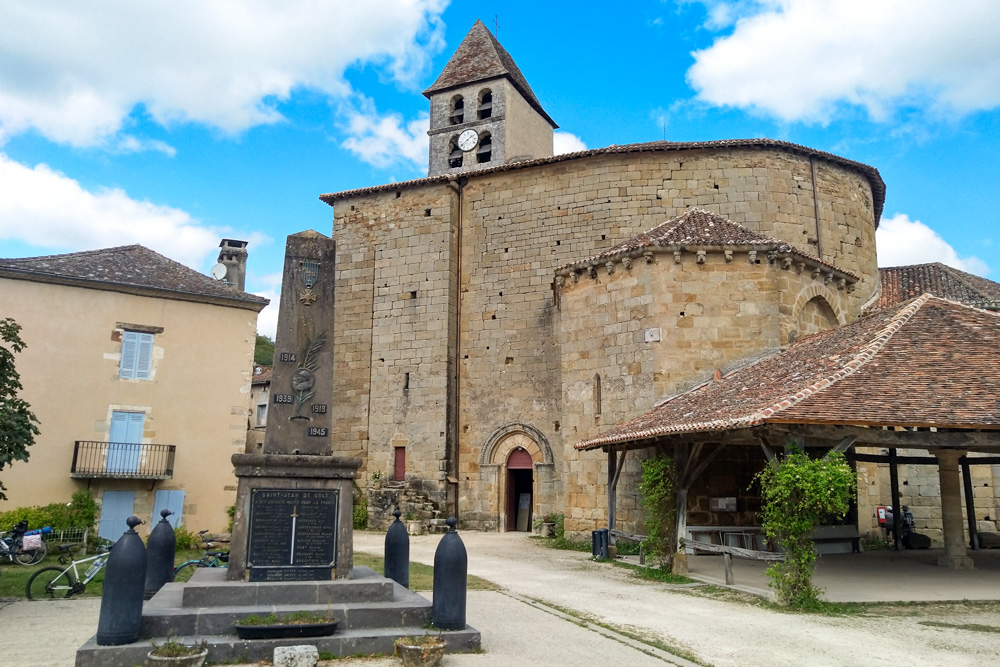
[(523, 624), (717, 632)]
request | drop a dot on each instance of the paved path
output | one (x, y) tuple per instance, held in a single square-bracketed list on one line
[(523, 624)]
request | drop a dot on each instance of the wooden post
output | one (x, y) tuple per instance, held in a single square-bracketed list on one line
[(970, 504), (897, 512), (612, 495)]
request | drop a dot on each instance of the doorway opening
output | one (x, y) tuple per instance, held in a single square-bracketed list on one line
[(520, 490)]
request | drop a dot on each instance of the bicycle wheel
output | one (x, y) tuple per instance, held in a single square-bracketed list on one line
[(49, 583), (185, 570), (33, 557)]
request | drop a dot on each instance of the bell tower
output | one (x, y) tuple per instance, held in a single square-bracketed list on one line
[(483, 113)]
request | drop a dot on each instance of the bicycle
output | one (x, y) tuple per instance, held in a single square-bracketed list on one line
[(50, 583), (15, 548), (210, 558)]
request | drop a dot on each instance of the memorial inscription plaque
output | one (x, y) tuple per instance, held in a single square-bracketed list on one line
[(293, 534)]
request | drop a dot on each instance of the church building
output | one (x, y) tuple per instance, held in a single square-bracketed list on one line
[(515, 303)]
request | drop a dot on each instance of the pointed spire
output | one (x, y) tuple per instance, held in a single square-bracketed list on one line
[(480, 57)]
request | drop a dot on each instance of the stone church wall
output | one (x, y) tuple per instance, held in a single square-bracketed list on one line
[(513, 227)]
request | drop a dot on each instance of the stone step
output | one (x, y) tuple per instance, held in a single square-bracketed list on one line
[(230, 649), (208, 588)]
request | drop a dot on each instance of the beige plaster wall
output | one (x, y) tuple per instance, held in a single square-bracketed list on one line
[(197, 397)]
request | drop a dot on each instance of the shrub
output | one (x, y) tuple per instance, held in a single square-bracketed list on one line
[(360, 509), (80, 512), (231, 511), (800, 493), (660, 503), (186, 539)]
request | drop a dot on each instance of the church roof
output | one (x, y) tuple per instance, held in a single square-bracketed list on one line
[(699, 228), (132, 269), (479, 58), (870, 173), (926, 363), (902, 283)]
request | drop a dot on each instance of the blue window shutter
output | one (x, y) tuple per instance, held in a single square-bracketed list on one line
[(116, 507), (130, 351), (172, 500), (145, 356)]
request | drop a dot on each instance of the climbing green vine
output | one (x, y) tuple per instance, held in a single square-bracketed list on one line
[(799, 494), (660, 504)]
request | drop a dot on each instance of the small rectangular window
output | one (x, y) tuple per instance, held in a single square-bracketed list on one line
[(137, 355), (262, 414)]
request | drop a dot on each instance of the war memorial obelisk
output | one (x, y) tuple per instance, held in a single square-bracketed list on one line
[(293, 519)]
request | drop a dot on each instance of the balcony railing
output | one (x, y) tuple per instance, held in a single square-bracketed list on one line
[(121, 460)]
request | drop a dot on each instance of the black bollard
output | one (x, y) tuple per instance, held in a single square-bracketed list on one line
[(160, 551), (397, 552), (124, 578), (451, 565)]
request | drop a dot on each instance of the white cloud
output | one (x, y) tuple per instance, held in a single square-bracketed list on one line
[(385, 140), (799, 60), (50, 210), (75, 71), (902, 241), (564, 142), (130, 144), (269, 287)]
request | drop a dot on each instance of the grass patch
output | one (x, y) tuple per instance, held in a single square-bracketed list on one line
[(563, 543), (422, 576), (583, 619), (653, 573), (14, 578), (972, 627)]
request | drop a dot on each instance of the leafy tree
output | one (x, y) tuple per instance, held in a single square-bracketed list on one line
[(660, 503), (263, 353), (799, 494), (17, 423)]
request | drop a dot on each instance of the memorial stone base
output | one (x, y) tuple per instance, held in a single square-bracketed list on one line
[(373, 612), (293, 519)]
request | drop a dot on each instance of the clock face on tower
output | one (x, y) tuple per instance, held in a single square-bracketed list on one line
[(468, 140)]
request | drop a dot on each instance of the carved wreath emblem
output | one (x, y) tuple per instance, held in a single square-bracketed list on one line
[(310, 273)]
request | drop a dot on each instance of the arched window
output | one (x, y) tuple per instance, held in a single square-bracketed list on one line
[(485, 103), (597, 393), (454, 153), (457, 110), (485, 150)]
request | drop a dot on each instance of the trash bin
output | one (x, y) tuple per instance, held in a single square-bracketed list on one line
[(602, 543)]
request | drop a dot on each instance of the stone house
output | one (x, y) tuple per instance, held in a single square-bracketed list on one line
[(515, 303), (139, 370)]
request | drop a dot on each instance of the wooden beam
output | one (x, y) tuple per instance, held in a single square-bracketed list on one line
[(897, 512), (843, 445)]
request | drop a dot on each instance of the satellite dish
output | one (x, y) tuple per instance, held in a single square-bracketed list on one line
[(219, 271)]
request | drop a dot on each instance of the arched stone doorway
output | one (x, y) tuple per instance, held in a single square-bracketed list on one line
[(520, 456), (520, 490)]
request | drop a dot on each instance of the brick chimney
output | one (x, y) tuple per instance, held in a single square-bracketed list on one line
[(233, 255)]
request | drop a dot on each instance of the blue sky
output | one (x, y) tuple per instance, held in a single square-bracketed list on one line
[(175, 124)]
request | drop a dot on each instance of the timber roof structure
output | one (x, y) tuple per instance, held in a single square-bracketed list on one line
[(870, 173), (479, 58), (132, 269), (902, 283), (697, 228), (926, 363)]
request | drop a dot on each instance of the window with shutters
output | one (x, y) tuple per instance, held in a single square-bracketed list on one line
[(137, 355)]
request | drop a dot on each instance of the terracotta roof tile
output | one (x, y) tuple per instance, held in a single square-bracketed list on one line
[(261, 374), (128, 268), (870, 173), (693, 228), (929, 362), (478, 58), (902, 283)]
